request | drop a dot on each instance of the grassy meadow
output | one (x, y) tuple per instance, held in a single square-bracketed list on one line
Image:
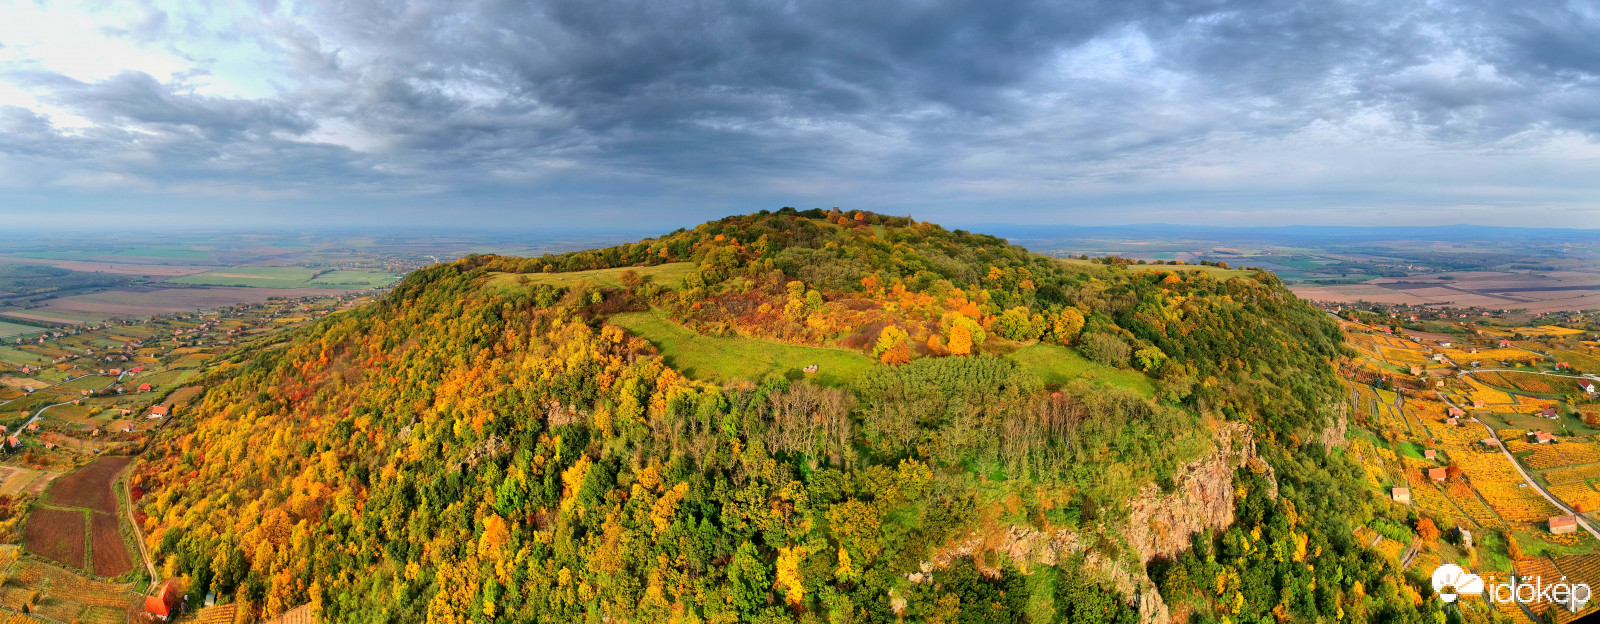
[(664, 274), (727, 358)]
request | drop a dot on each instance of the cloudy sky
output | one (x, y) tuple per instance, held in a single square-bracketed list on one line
[(660, 112)]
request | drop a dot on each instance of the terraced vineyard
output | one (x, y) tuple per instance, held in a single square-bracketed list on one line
[(1556, 455)]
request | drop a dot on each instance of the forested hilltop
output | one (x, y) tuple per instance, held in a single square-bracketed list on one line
[(579, 437)]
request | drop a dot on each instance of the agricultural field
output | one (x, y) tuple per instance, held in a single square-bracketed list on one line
[(288, 277), (90, 486), (1546, 456), (60, 535), (13, 329), (1581, 362), (15, 480), (66, 596)]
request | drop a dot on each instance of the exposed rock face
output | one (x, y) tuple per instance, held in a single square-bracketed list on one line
[(1159, 525)]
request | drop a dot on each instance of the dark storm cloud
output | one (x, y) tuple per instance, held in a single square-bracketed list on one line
[(918, 101)]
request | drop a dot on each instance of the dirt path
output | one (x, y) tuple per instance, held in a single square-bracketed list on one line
[(138, 533)]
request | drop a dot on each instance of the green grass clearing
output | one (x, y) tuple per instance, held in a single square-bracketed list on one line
[(729, 358), (354, 279), (12, 329), (251, 277), (1055, 364), (666, 275)]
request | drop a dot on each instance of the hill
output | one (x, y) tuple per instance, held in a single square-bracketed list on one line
[(631, 434)]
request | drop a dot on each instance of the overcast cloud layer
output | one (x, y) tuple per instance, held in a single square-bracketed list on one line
[(593, 112)]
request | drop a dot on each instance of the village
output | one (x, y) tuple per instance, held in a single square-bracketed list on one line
[(77, 403), (1480, 429)]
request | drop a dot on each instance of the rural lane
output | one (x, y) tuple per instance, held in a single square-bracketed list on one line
[(138, 532), (1582, 521)]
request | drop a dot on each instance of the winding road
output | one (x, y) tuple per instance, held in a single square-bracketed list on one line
[(1582, 521)]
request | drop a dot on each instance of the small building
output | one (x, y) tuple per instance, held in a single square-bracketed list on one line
[(166, 602), (1430, 454), (1563, 524), (1437, 474), (1563, 366), (1505, 344), (811, 369), (1452, 422), (1456, 412), (1401, 495), (1445, 344), (1489, 442), (1466, 537), (1416, 371), (1586, 386), (1549, 412), (144, 387), (1479, 404), (13, 442), (159, 411), (1540, 437)]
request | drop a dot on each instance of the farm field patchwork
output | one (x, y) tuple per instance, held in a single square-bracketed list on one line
[(287, 277), (126, 304)]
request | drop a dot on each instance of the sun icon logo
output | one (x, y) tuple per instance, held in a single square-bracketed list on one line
[(1451, 576)]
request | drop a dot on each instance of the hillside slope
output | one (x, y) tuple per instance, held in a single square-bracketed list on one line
[(479, 447)]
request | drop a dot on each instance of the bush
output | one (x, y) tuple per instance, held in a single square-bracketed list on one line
[(1105, 349)]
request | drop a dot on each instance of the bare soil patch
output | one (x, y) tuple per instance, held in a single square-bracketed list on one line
[(57, 535), (111, 556), (90, 486)]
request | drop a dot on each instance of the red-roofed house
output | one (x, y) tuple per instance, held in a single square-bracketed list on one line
[(1430, 454), (1586, 386), (1563, 524), (158, 410), (1478, 404), (144, 387), (1540, 437), (1562, 365), (1437, 474), (1505, 344), (166, 602), (1549, 412), (1456, 412)]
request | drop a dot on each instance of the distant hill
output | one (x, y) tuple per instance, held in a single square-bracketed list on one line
[(636, 433)]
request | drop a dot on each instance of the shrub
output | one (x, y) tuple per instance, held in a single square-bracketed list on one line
[(1105, 349)]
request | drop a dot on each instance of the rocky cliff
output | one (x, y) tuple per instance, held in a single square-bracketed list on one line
[(1159, 525)]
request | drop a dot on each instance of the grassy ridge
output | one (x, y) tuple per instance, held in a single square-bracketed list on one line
[(728, 358), (665, 274), (1055, 364)]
